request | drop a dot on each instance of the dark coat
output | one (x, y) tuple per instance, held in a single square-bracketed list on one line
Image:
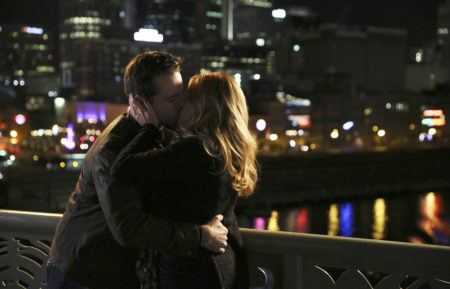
[(184, 183), (96, 240)]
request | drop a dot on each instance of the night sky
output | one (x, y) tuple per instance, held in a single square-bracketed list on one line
[(417, 16)]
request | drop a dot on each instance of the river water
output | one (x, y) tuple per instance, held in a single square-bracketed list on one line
[(407, 217)]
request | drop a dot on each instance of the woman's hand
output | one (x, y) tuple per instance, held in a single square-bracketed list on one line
[(142, 111)]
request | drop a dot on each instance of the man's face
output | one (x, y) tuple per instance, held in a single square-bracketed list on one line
[(168, 102)]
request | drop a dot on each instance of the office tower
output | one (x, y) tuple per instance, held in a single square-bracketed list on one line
[(374, 58), (175, 20), (27, 65), (94, 47)]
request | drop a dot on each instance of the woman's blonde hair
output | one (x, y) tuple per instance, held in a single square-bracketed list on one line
[(220, 115)]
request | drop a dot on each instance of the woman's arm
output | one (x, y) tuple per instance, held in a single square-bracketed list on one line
[(137, 164)]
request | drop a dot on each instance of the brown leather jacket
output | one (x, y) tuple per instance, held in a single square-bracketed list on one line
[(97, 239)]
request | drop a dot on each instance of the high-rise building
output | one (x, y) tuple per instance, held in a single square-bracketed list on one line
[(28, 68), (175, 20), (94, 46), (374, 59)]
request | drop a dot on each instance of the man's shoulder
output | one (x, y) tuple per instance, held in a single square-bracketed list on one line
[(116, 135)]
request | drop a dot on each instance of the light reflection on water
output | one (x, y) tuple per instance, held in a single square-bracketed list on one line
[(418, 218)]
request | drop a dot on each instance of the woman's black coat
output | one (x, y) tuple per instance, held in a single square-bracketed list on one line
[(183, 183)]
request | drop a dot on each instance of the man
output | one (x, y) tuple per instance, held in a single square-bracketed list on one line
[(97, 240)]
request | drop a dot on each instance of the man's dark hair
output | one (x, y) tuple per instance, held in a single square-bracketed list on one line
[(142, 70)]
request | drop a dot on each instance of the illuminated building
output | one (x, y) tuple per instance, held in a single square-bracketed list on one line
[(28, 68), (175, 20), (244, 63), (95, 46)]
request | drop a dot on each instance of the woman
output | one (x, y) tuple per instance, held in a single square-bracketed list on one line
[(198, 177)]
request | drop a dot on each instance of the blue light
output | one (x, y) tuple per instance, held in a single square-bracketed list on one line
[(346, 219), (348, 125)]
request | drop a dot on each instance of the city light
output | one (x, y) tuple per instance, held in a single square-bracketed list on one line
[(381, 133), (279, 13), (296, 48), (273, 137), (35, 158), (374, 128), (260, 42), (334, 134), (432, 131), (379, 219), (348, 125), (75, 164), (433, 112), (261, 124), (273, 222), (59, 102), (419, 56), (20, 119), (259, 224), (304, 148), (238, 78), (55, 129), (257, 76), (291, 132), (148, 35), (62, 164), (292, 143), (12, 157), (32, 30), (13, 133)]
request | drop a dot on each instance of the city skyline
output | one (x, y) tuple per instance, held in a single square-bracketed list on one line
[(418, 17)]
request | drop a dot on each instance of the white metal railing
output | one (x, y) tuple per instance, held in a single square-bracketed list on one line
[(276, 259)]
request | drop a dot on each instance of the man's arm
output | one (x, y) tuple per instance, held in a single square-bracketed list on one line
[(131, 227)]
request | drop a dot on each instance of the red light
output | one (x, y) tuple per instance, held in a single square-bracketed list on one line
[(3, 125), (304, 122), (91, 138), (82, 139), (11, 150), (433, 112), (302, 221), (17, 150)]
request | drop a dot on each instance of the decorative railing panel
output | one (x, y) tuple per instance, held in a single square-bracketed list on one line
[(276, 259)]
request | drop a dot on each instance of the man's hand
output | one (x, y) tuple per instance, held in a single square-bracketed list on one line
[(142, 111), (214, 235)]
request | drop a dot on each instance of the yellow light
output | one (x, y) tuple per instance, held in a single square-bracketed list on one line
[(374, 128), (63, 141), (35, 158), (381, 133), (334, 134), (13, 133), (75, 164), (14, 141), (412, 126), (432, 131), (273, 222), (379, 219), (273, 137), (333, 220), (62, 164), (313, 146)]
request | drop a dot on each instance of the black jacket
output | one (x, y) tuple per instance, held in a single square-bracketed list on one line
[(104, 224), (184, 183)]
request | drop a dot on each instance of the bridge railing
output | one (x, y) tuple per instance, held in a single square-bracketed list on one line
[(276, 259)]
